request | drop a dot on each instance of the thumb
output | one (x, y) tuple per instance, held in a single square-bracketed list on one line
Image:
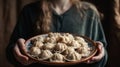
[(21, 44)]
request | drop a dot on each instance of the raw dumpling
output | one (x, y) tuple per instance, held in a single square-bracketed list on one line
[(60, 47), (45, 54), (54, 35), (35, 51), (38, 44), (74, 44), (64, 39), (41, 38), (83, 51), (84, 44), (57, 57), (70, 36), (79, 39), (73, 56), (69, 50), (50, 39), (48, 46)]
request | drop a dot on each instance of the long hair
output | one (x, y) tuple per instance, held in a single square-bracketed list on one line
[(45, 16)]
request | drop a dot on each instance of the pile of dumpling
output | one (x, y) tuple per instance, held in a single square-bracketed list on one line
[(59, 47)]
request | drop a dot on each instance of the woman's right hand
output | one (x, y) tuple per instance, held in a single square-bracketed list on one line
[(19, 51)]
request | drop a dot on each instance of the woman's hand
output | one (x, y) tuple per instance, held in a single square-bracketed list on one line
[(19, 51), (100, 54)]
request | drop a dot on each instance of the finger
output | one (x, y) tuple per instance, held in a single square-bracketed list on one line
[(99, 43), (100, 53), (90, 61), (99, 46), (18, 54), (21, 43)]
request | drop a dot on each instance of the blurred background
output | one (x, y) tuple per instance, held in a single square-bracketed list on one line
[(110, 19)]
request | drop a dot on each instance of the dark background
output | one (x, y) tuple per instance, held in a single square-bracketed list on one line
[(110, 18)]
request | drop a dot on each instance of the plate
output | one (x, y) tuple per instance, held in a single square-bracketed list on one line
[(91, 45)]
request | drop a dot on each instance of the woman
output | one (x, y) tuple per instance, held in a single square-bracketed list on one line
[(46, 16)]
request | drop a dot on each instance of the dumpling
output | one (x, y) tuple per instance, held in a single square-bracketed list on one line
[(79, 39), (84, 44), (60, 47), (51, 34), (64, 39), (41, 38), (50, 39), (83, 51), (74, 44), (45, 54), (48, 46), (38, 44), (54, 35), (70, 36), (57, 57), (35, 51), (69, 50), (73, 56)]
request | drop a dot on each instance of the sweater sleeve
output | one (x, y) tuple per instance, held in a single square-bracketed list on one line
[(93, 26), (99, 35), (98, 32)]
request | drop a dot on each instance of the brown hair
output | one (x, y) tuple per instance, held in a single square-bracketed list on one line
[(45, 17)]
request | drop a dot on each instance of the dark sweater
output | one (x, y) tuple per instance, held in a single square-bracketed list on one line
[(71, 21)]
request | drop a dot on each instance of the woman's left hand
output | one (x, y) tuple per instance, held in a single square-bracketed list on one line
[(100, 54)]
